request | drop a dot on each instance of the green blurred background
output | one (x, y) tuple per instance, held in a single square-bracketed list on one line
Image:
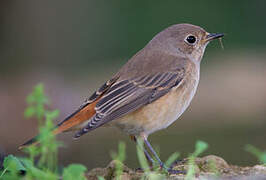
[(74, 46)]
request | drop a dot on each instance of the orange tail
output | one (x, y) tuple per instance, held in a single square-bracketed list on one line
[(73, 122)]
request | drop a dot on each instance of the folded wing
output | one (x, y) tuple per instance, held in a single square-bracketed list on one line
[(128, 95)]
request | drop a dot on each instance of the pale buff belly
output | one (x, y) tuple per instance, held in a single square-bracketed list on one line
[(159, 114)]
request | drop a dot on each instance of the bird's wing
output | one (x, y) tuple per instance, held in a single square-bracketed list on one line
[(127, 95), (86, 110)]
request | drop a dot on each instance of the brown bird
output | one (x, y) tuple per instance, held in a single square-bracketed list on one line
[(150, 91)]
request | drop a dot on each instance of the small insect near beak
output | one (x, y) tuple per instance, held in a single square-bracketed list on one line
[(213, 36)]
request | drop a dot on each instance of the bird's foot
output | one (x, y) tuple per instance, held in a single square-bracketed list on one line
[(142, 170), (169, 170), (177, 162), (173, 171)]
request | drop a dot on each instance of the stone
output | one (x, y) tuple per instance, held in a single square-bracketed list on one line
[(210, 167)]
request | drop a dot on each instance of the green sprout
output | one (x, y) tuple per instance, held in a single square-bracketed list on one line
[(46, 153), (260, 155), (200, 147), (120, 158), (74, 171)]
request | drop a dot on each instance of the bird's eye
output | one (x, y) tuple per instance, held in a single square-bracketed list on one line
[(191, 39)]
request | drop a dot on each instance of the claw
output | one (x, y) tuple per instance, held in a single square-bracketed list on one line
[(172, 171)]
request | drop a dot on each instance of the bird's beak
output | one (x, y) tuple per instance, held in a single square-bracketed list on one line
[(212, 36)]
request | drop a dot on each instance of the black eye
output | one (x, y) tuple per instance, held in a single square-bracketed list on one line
[(191, 39)]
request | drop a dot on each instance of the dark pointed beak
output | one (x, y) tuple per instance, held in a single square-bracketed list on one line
[(213, 36)]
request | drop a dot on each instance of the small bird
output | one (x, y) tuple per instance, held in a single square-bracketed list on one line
[(149, 92)]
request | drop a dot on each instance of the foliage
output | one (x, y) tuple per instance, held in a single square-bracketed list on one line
[(200, 147), (120, 158), (74, 171), (260, 155), (36, 102), (13, 165), (41, 162)]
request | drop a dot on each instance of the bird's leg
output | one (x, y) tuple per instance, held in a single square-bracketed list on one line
[(147, 155), (162, 165), (152, 151)]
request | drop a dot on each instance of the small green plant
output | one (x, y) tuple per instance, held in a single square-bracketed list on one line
[(46, 153), (260, 155), (37, 102), (120, 158), (100, 178), (13, 165), (200, 147), (74, 171), (213, 168)]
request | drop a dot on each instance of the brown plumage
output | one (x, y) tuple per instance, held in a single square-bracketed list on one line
[(150, 91)]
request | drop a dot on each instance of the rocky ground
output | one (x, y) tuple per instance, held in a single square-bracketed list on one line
[(207, 168)]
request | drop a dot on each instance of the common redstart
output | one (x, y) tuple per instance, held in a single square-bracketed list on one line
[(150, 91)]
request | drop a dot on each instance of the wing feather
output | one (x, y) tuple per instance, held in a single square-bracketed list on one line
[(95, 96), (128, 95)]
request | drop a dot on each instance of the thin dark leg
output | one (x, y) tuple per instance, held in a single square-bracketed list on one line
[(147, 155), (154, 153), (162, 165)]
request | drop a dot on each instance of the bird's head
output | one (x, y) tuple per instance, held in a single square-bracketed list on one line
[(185, 40)]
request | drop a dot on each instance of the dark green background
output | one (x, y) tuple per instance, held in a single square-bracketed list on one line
[(76, 34)]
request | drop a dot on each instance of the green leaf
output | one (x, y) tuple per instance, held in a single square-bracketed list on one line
[(29, 112), (52, 114), (155, 176), (141, 156), (100, 178), (121, 152), (38, 89), (26, 162), (35, 173), (200, 147), (11, 163), (172, 159), (119, 157), (39, 94), (74, 171), (30, 99), (2, 173), (261, 156)]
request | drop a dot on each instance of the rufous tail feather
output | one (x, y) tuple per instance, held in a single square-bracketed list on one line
[(77, 118)]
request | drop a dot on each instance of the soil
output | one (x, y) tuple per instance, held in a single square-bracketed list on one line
[(210, 167)]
